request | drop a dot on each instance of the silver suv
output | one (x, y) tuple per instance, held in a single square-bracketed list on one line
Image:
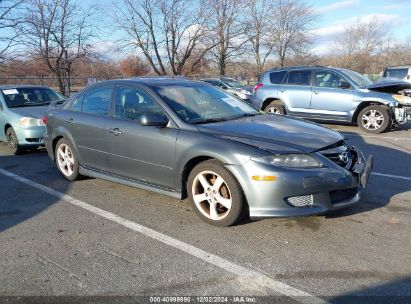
[(333, 94)]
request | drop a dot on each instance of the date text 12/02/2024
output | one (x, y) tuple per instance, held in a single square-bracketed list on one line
[(202, 299)]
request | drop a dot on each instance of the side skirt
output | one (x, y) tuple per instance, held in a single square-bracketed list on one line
[(130, 182)]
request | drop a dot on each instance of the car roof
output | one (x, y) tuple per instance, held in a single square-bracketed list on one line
[(208, 79), (21, 86), (304, 67), (405, 66), (151, 81)]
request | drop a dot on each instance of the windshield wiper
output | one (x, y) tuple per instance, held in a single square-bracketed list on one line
[(211, 120), (206, 120), (39, 104)]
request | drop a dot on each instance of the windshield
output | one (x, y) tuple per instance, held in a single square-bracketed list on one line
[(232, 83), (196, 103), (357, 78), (25, 97), (400, 73)]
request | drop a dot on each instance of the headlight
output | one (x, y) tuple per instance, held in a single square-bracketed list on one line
[(290, 161), (30, 121), (245, 92), (399, 98), (402, 99)]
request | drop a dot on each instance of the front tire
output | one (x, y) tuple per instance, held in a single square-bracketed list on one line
[(13, 142), (275, 107), (215, 194), (374, 119), (66, 160)]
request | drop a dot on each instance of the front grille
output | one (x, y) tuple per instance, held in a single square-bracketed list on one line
[(340, 159), (300, 201), (338, 196), (339, 154)]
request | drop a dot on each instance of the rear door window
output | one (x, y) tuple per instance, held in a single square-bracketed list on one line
[(97, 100), (77, 103), (277, 77), (299, 78)]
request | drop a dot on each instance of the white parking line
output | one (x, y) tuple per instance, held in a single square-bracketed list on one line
[(252, 276), (392, 176)]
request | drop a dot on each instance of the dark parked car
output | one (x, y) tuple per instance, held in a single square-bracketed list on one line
[(187, 138), (333, 94)]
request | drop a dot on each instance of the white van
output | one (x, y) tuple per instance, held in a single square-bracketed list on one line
[(401, 72)]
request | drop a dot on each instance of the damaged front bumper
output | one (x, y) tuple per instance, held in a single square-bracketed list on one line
[(402, 114), (362, 167), (302, 192)]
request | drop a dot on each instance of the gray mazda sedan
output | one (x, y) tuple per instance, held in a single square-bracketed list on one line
[(187, 138)]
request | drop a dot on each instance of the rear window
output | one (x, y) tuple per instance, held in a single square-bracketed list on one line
[(299, 78), (396, 73), (277, 77)]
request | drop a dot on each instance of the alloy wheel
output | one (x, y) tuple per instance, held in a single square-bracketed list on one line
[(372, 120), (211, 195), (65, 159), (12, 141), (273, 110)]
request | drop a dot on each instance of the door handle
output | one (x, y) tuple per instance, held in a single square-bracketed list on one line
[(316, 92), (69, 120), (282, 90), (115, 131)]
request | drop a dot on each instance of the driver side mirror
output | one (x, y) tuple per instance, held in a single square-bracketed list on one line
[(153, 119), (344, 85)]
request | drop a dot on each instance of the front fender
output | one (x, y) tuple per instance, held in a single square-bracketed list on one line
[(192, 145), (377, 97)]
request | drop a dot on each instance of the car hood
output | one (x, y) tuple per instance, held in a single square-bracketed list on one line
[(32, 111), (275, 133), (389, 85)]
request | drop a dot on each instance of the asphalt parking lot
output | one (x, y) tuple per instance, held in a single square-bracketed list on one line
[(97, 238)]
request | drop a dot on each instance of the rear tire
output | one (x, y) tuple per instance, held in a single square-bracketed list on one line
[(374, 119), (275, 107), (13, 142), (66, 160), (216, 196)]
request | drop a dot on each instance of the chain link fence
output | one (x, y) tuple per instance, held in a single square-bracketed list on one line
[(78, 83)]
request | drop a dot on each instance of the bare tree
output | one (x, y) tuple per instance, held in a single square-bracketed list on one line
[(360, 42), (167, 32), (133, 66), (8, 23), (229, 33), (58, 31), (290, 24), (258, 22)]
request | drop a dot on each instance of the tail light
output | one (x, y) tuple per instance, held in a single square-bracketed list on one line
[(258, 85), (44, 119)]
